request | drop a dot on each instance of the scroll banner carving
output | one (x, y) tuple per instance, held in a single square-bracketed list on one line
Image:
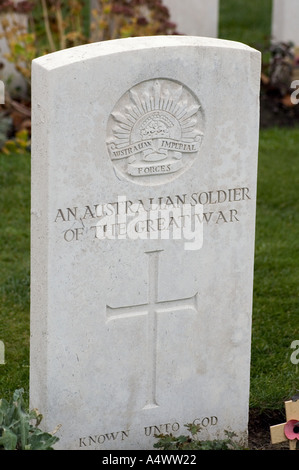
[(165, 144)]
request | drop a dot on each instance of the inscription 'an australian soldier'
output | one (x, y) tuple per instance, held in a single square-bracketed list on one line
[(205, 198)]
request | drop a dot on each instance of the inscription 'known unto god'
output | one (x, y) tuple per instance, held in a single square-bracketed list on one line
[(148, 431)]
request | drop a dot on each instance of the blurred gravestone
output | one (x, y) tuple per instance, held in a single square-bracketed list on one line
[(194, 17), (285, 21), (14, 81)]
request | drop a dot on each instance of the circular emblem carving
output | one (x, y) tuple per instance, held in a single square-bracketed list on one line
[(155, 131)]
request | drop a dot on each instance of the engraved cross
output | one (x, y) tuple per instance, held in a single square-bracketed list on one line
[(150, 310)]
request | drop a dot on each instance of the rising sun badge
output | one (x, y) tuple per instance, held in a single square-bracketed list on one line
[(155, 131)]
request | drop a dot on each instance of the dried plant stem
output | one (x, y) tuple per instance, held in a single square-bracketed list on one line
[(47, 26), (60, 28)]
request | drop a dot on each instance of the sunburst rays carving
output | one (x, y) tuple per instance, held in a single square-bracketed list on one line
[(156, 121)]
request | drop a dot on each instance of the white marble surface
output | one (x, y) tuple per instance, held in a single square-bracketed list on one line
[(130, 337)]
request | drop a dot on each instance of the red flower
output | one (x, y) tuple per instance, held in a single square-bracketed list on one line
[(291, 429)]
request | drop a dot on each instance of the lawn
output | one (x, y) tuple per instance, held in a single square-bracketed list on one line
[(245, 21), (14, 270), (276, 284), (276, 287)]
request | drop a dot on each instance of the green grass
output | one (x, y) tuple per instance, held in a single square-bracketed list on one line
[(245, 21), (276, 287), (14, 271)]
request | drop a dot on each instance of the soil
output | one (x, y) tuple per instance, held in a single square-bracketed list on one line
[(259, 429)]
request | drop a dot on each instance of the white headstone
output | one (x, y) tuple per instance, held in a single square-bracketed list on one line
[(136, 326), (195, 17), (8, 73), (285, 21)]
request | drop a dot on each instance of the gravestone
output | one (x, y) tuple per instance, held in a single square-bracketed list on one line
[(144, 168), (195, 17), (285, 20), (8, 72)]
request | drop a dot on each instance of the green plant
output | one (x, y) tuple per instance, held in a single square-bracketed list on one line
[(191, 442), (20, 143), (16, 429), (113, 19), (54, 25), (47, 26)]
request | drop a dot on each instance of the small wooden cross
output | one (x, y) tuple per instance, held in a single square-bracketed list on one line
[(279, 433)]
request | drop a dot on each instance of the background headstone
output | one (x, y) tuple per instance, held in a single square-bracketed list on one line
[(133, 331), (285, 21), (195, 17), (13, 80)]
